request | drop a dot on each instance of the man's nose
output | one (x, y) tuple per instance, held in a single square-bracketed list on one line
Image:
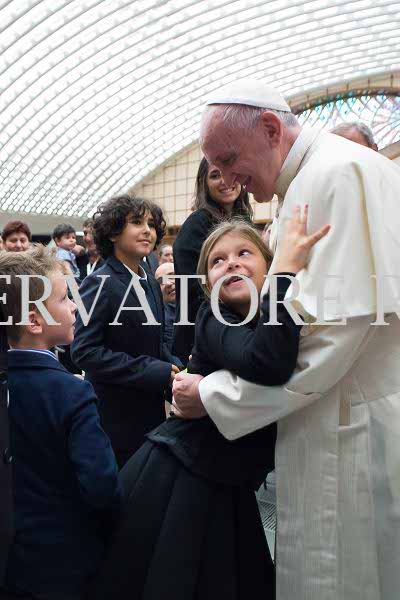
[(228, 178)]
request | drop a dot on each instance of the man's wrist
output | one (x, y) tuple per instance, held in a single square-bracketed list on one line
[(202, 397)]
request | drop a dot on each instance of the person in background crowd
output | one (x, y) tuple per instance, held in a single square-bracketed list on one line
[(16, 236), (90, 260), (168, 294), (65, 477), (165, 254), (358, 133), (126, 362), (213, 201), (64, 236), (266, 233)]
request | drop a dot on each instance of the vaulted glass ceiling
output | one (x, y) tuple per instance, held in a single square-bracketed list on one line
[(96, 94)]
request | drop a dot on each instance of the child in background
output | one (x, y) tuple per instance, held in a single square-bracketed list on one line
[(65, 477), (64, 236)]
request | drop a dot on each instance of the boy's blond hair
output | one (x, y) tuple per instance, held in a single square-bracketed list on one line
[(38, 260)]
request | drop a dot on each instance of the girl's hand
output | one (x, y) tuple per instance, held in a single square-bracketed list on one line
[(295, 245), (174, 371)]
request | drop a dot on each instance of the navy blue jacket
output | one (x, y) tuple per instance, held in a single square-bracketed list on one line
[(126, 363), (6, 520), (65, 478)]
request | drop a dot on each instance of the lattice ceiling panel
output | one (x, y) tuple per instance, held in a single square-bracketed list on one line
[(96, 94)]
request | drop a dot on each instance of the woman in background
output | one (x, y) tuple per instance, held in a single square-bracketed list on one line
[(213, 201)]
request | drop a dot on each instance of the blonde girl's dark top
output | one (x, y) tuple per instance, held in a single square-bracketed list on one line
[(262, 354)]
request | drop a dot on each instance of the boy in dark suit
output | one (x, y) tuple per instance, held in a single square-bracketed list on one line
[(65, 482), (122, 357)]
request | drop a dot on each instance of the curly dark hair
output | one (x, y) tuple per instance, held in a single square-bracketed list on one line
[(110, 219), (202, 198)]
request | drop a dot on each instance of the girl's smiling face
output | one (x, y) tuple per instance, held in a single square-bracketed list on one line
[(234, 255)]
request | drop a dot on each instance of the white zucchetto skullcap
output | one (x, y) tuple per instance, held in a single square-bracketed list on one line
[(250, 92)]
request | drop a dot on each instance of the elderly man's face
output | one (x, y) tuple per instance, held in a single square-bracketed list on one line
[(167, 288), (355, 136), (251, 159)]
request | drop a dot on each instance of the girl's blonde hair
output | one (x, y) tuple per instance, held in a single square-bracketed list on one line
[(238, 227)]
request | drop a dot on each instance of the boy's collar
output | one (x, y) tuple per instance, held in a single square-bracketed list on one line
[(42, 351), (141, 274)]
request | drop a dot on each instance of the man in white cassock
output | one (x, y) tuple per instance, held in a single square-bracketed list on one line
[(338, 448)]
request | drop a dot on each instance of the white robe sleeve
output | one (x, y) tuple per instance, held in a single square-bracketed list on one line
[(238, 407)]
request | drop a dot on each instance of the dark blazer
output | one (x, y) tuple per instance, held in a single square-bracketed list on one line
[(65, 478), (6, 518), (83, 261), (187, 248), (151, 262), (124, 362)]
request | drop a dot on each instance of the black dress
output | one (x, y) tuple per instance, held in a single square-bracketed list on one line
[(191, 528)]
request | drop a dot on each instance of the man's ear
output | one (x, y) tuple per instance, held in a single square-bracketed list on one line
[(272, 126), (35, 326)]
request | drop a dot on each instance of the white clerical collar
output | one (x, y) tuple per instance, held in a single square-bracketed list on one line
[(294, 159), (141, 275)]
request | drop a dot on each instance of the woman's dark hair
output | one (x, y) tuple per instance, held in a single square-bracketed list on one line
[(202, 198), (110, 219)]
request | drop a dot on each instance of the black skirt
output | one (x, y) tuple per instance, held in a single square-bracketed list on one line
[(184, 537)]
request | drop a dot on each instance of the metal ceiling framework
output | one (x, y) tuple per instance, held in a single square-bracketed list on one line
[(95, 94)]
